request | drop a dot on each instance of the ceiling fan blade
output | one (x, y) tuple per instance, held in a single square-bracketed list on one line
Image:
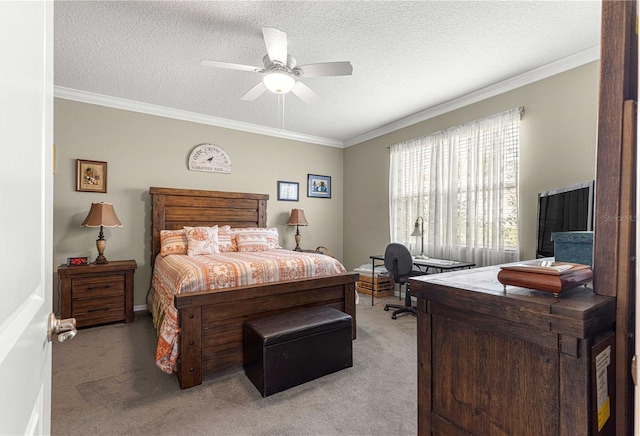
[(304, 93), (231, 66), (276, 43), (254, 92), (326, 69)]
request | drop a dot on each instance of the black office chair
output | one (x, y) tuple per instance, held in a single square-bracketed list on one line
[(399, 263)]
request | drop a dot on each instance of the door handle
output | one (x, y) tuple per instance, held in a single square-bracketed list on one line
[(64, 328)]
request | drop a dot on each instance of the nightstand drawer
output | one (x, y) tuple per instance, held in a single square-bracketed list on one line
[(97, 286), (104, 309)]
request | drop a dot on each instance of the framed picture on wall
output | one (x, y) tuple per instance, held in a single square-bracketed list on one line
[(91, 176), (288, 191), (318, 186)]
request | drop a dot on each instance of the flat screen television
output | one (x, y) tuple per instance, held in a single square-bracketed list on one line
[(563, 210)]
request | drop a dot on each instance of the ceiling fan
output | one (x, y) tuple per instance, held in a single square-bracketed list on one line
[(281, 74)]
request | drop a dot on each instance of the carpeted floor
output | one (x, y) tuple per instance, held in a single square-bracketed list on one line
[(105, 383)]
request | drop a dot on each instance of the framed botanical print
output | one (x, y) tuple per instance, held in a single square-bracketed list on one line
[(318, 186), (288, 191), (91, 176)]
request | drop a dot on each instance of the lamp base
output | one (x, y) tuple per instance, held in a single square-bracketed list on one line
[(100, 260), (297, 243), (422, 256), (101, 244)]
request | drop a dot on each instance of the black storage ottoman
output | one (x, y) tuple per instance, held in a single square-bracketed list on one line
[(288, 349)]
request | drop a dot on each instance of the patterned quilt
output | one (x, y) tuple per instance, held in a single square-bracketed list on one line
[(179, 274)]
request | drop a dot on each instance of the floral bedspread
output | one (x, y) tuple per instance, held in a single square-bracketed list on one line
[(179, 274)]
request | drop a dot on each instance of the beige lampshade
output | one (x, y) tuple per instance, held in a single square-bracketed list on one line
[(297, 218), (101, 214)]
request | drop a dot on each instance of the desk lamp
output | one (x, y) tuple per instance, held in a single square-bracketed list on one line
[(297, 219), (419, 231), (101, 215)]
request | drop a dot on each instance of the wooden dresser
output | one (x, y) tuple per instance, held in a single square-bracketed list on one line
[(97, 294), (519, 362)]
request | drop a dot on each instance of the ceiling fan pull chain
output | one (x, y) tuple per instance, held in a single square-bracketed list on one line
[(281, 112)]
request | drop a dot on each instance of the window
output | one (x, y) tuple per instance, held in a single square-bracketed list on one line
[(463, 181)]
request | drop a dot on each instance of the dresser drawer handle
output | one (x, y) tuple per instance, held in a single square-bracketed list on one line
[(91, 288), (99, 309)]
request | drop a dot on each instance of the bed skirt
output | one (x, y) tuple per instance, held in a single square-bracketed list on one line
[(154, 306)]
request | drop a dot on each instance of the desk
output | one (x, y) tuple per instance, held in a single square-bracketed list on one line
[(439, 265)]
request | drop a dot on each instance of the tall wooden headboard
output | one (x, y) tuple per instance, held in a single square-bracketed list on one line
[(173, 209)]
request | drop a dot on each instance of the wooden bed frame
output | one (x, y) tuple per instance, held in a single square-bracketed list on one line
[(211, 322)]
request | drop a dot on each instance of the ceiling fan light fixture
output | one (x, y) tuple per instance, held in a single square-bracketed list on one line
[(279, 82)]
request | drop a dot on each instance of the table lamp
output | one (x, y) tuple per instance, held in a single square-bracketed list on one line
[(297, 219), (101, 215), (419, 231)]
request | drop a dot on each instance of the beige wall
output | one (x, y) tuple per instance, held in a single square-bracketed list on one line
[(144, 150), (558, 140), (558, 148)]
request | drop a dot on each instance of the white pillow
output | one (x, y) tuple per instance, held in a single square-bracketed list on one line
[(202, 240)]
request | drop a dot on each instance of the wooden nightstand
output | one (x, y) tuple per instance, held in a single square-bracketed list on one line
[(321, 249), (97, 294)]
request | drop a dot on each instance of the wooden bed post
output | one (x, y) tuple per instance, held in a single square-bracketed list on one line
[(262, 213), (190, 360), (157, 223)]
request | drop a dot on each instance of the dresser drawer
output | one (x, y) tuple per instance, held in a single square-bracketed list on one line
[(97, 286), (93, 310)]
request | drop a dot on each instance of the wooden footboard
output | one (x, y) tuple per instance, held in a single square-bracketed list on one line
[(211, 322)]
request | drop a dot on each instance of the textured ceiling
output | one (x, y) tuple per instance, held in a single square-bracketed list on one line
[(407, 57)]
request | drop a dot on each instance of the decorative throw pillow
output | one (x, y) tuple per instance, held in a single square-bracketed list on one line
[(271, 233), (202, 240), (251, 242), (225, 241), (173, 242)]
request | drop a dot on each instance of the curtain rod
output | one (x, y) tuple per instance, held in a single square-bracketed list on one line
[(520, 109)]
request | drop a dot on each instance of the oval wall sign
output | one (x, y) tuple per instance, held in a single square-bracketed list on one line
[(210, 158)]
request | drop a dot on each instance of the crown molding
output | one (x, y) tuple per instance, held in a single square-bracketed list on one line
[(581, 58), (162, 111)]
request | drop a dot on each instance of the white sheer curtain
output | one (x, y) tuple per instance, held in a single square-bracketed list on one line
[(464, 183)]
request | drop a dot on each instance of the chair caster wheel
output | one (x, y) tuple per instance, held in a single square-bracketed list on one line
[(386, 309), (393, 317)]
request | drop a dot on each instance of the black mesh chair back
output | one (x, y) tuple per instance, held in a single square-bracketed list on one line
[(399, 263)]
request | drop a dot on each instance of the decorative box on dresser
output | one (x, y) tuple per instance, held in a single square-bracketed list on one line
[(97, 294), (514, 362)]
